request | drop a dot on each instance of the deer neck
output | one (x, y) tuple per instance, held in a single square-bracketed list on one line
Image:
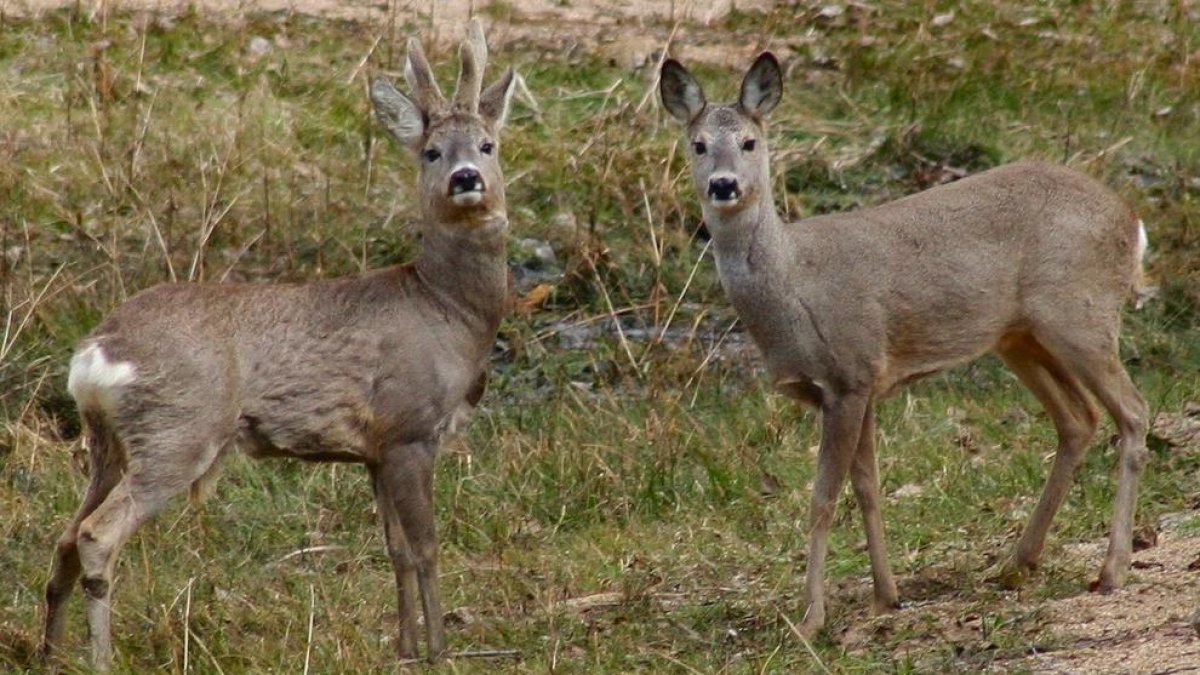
[(748, 243), (465, 273)]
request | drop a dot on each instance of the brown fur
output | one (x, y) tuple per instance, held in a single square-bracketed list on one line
[(1029, 261), (375, 369)]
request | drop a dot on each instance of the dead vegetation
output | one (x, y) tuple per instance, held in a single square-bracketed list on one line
[(630, 497)]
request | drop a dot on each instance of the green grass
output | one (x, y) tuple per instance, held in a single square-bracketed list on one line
[(678, 482)]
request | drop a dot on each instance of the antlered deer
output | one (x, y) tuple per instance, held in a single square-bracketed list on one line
[(375, 369), (1030, 261)]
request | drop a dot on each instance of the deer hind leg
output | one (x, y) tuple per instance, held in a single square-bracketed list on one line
[(864, 477), (841, 424), (1075, 419), (1092, 357), (161, 466), (406, 480), (107, 464)]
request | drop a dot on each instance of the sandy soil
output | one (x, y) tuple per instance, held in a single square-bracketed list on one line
[(1148, 627)]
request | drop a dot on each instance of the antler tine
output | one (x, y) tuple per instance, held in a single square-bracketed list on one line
[(420, 79), (473, 55)]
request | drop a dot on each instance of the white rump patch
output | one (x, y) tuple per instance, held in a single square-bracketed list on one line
[(1143, 291), (94, 381), (1143, 242)]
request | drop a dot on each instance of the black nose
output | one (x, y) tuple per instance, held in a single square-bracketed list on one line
[(723, 189), (465, 180)]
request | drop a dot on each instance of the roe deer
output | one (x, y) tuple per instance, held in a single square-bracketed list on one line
[(374, 369), (1030, 261)]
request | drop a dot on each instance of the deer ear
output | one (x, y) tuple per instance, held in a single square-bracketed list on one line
[(495, 101), (397, 113), (681, 93), (763, 85)]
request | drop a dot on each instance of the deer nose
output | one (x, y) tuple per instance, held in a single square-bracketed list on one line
[(723, 188), (466, 179)]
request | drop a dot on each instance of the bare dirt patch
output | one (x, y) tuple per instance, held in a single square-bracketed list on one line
[(1146, 627), (636, 25)]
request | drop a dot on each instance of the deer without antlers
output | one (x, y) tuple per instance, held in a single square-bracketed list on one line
[(375, 369), (1029, 261)]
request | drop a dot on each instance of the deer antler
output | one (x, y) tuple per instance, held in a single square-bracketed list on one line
[(473, 55), (420, 79)]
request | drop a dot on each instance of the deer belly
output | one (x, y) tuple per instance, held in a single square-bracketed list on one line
[(801, 389), (337, 434)]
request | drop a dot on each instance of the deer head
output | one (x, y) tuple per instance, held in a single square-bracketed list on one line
[(728, 143), (457, 142)]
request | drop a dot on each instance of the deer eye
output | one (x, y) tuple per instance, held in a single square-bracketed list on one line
[(748, 145), (699, 147), (432, 155), (487, 147)]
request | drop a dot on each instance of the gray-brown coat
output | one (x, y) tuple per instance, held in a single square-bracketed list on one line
[(1030, 261), (375, 369)]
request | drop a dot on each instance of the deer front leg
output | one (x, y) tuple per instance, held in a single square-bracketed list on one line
[(841, 425), (403, 567), (405, 481), (864, 477)]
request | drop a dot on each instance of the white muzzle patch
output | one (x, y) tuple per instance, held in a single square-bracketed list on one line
[(723, 190), (467, 198), (466, 185)]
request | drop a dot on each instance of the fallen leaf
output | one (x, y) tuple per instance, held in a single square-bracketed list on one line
[(769, 485), (533, 300), (1145, 537)]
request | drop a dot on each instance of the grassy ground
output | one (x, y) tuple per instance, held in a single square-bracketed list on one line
[(629, 506)]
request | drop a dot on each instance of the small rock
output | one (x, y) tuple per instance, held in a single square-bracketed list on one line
[(630, 52), (769, 484), (461, 616), (943, 19), (564, 223), (258, 46), (1196, 622), (831, 11), (536, 264), (540, 254)]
